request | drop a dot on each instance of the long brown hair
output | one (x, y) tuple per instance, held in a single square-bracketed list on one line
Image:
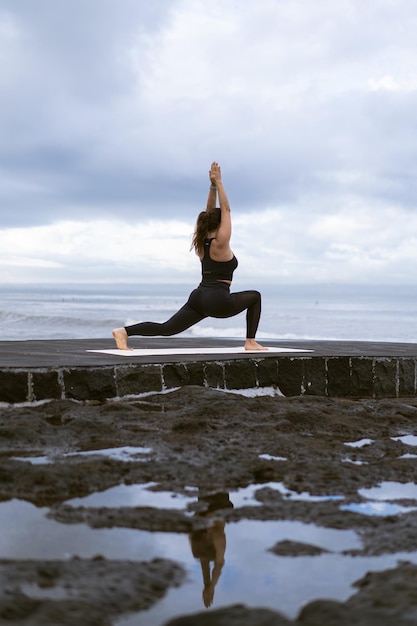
[(206, 222)]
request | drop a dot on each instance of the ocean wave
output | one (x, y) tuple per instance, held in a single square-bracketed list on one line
[(212, 331), (289, 315), (52, 319), (22, 327), (10, 317)]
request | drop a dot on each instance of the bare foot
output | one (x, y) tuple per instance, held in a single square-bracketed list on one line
[(120, 337), (251, 344)]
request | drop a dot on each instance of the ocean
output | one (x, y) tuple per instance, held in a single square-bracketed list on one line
[(289, 312)]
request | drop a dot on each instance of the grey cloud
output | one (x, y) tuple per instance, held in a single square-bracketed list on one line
[(73, 148)]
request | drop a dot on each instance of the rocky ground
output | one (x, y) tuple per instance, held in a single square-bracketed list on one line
[(212, 440)]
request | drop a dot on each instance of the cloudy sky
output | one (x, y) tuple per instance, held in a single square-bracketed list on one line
[(112, 111)]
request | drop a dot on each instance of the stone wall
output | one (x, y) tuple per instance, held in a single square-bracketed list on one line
[(360, 377)]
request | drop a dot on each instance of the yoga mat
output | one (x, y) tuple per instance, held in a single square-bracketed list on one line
[(199, 350)]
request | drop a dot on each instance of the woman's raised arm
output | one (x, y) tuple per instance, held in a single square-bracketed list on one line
[(225, 229), (212, 195)]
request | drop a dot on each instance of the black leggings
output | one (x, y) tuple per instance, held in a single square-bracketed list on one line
[(209, 300)]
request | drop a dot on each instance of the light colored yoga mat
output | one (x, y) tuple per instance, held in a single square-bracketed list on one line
[(200, 350)]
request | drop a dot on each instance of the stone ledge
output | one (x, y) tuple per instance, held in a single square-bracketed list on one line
[(333, 376)]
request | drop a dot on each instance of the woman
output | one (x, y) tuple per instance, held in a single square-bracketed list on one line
[(212, 298), (208, 544)]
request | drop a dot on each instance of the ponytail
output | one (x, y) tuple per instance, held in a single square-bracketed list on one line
[(200, 232), (206, 222)]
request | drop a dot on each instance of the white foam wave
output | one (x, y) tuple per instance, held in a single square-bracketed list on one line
[(217, 331)]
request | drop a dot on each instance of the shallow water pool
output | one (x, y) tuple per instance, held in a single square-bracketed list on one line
[(252, 574)]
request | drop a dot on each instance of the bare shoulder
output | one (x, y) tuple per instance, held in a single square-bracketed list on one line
[(220, 251)]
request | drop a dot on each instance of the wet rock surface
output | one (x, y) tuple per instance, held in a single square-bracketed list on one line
[(217, 443), (81, 591)]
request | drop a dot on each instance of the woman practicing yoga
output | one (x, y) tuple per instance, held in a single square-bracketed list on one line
[(212, 298)]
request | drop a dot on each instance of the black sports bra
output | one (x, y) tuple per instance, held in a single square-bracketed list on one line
[(216, 270)]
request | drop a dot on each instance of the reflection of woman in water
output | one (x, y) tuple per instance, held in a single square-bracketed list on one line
[(212, 298), (209, 544)]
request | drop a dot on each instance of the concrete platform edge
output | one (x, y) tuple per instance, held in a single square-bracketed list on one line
[(315, 375)]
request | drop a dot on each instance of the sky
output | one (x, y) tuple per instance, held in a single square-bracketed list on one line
[(113, 110)]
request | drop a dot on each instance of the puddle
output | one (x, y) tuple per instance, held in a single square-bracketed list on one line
[(48, 539), (135, 495), (255, 577), (390, 490), (382, 509), (124, 453), (251, 575), (360, 443), (381, 498), (293, 495), (247, 542), (355, 462), (246, 496), (269, 457), (409, 440), (34, 460), (146, 495)]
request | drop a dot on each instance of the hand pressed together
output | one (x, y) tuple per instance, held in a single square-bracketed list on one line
[(215, 174)]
